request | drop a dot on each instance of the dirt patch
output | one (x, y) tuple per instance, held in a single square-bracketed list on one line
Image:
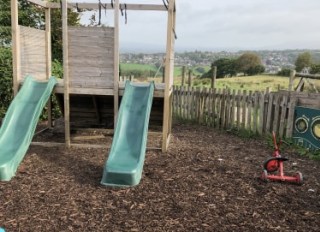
[(207, 181)]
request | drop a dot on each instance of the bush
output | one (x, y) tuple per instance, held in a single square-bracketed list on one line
[(57, 69), (284, 72), (5, 79), (201, 82)]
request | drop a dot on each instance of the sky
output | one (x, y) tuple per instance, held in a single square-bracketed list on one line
[(224, 25)]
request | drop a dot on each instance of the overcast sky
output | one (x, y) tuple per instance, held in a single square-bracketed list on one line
[(223, 25)]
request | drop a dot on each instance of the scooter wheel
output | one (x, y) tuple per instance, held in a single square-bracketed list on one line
[(264, 176), (271, 164), (299, 178)]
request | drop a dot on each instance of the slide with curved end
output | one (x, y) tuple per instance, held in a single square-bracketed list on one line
[(20, 123), (126, 158)]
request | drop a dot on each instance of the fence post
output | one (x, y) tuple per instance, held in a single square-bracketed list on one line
[(214, 76), (189, 77), (183, 74), (290, 119), (292, 76)]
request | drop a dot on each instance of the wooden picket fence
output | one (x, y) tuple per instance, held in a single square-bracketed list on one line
[(258, 112)]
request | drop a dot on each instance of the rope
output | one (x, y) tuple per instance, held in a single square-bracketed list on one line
[(124, 13), (162, 64), (175, 35), (121, 10), (164, 3), (77, 6), (61, 7), (105, 9), (99, 12)]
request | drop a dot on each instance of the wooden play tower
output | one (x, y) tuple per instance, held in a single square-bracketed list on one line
[(90, 91)]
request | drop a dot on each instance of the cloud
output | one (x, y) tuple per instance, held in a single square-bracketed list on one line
[(215, 24)]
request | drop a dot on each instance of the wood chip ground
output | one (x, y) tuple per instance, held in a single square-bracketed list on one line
[(207, 181)]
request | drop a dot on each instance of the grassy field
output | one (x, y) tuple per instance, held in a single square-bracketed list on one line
[(254, 83), (149, 67), (195, 71)]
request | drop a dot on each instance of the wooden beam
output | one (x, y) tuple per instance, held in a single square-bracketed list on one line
[(311, 76), (73, 145), (48, 58), (95, 6), (300, 85), (16, 58), (79, 145), (168, 77), (96, 108), (39, 3), (292, 76), (66, 73), (41, 131), (87, 137), (116, 62)]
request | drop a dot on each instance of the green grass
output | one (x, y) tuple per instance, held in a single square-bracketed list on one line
[(141, 67), (178, 70), (260, 82)]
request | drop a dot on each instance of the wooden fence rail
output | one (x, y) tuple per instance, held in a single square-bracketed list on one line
[(259, 112)]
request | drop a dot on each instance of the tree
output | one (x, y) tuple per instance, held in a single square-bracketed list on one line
[(56, 30), (303, 61), (315, 69), (29, 15), (249, 64), (255, 70), (32, 16), (225, 67)]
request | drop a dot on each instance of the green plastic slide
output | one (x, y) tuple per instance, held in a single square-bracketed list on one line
[(126, 158), (20, 123)]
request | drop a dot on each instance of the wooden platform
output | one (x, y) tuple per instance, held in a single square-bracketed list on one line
[(159, 90)]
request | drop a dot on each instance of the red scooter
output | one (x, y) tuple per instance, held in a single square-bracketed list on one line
[(275, 164)]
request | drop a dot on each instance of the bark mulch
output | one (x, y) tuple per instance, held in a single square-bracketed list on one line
[(207, 181)]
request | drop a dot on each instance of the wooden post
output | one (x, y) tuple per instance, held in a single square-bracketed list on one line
[(214, 76), (16, 58), (292, 75), (116, 62), (290, 120), (168, 77), (66, 72), (48, 57), (189, 77), (183, 74)]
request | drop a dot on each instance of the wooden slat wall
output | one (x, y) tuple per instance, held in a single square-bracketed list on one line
[(258, 112), (91, 57), (33, 52)]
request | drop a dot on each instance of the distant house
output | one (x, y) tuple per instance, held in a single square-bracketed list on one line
[(306, 70)]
